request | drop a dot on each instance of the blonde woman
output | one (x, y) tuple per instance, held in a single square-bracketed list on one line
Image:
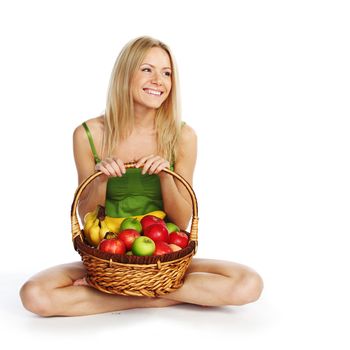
[(142, 124)]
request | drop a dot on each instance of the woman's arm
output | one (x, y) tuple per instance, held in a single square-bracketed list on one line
[(176, 199), (95, 192)]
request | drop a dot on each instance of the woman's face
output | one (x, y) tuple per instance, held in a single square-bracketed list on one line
[(151, 83)]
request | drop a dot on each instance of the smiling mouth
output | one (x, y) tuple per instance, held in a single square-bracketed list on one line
[(153, 92)]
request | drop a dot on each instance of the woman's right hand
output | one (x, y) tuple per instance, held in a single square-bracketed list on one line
[(111, 167)]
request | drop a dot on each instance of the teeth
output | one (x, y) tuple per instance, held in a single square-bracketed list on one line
[(153, 92)]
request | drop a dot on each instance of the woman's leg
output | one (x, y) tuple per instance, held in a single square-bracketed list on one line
[(208, 282), (52, 293), (216, 283), (211, 282)]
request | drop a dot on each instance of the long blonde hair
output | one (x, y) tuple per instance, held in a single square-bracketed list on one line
[(119, 114)]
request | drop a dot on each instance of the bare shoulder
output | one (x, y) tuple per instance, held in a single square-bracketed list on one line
[(80, 138), (187, 141), (188, 134), (84, 158), (95, 126)]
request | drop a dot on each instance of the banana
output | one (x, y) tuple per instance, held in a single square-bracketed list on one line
[(96, 224), (94, 233), (87, 228), (90, 215), (114, 223), (103, 230), (88, 225), (89, 220), (158, 213)]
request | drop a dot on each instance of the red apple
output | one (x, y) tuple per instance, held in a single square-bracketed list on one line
[(157, 232), (128, 236), (162, 248), (113, 245), (178, 238), (174, 247), (149, 220)]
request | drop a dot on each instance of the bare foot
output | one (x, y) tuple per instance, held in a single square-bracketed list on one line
[(80, 282)]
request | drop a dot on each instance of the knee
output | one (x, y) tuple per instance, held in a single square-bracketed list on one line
[(247, 289), (35, 298)]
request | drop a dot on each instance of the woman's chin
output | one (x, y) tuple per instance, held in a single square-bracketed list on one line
[(150, 105)]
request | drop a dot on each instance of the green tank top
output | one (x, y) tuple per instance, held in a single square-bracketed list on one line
[(133, 193)]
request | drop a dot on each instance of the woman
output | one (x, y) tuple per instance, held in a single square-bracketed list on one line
[(141, 124)]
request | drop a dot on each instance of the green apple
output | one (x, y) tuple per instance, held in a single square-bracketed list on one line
[(132, 223), (172, 227), (143, 246)]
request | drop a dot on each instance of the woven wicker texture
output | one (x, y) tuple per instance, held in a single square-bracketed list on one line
[(131, 275)]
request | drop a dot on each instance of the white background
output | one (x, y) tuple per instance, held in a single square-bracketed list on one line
[(265, 84)]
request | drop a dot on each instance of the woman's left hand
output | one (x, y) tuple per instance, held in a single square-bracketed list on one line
[(152, 164)]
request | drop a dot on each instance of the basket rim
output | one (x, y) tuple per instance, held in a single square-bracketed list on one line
[(112, 262), (133, 260)]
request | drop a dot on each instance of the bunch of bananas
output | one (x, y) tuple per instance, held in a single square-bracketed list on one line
[(97, 224)]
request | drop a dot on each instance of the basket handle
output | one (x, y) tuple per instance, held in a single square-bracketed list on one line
[(76, 231)]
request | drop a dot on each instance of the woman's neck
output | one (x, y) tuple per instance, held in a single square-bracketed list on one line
[(145, 120)]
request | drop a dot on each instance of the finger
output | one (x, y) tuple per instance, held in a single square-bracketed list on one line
[(143, 160), (140, 162), (120, 164), (117, 169), (111, 169), (162, 166), (155, 166), (100, 167), (148, 164), (112, 162)]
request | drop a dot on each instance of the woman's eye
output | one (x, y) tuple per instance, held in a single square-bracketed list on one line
[(168, 74)]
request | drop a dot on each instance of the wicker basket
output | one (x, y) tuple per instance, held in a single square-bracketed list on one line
[(134, 275)]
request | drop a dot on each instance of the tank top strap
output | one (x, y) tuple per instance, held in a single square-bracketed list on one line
[(93, 148), (91, 141)]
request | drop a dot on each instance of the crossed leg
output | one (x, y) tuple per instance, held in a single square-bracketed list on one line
[(53, 292)]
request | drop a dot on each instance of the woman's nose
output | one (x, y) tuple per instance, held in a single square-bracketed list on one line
[(157, 79)]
